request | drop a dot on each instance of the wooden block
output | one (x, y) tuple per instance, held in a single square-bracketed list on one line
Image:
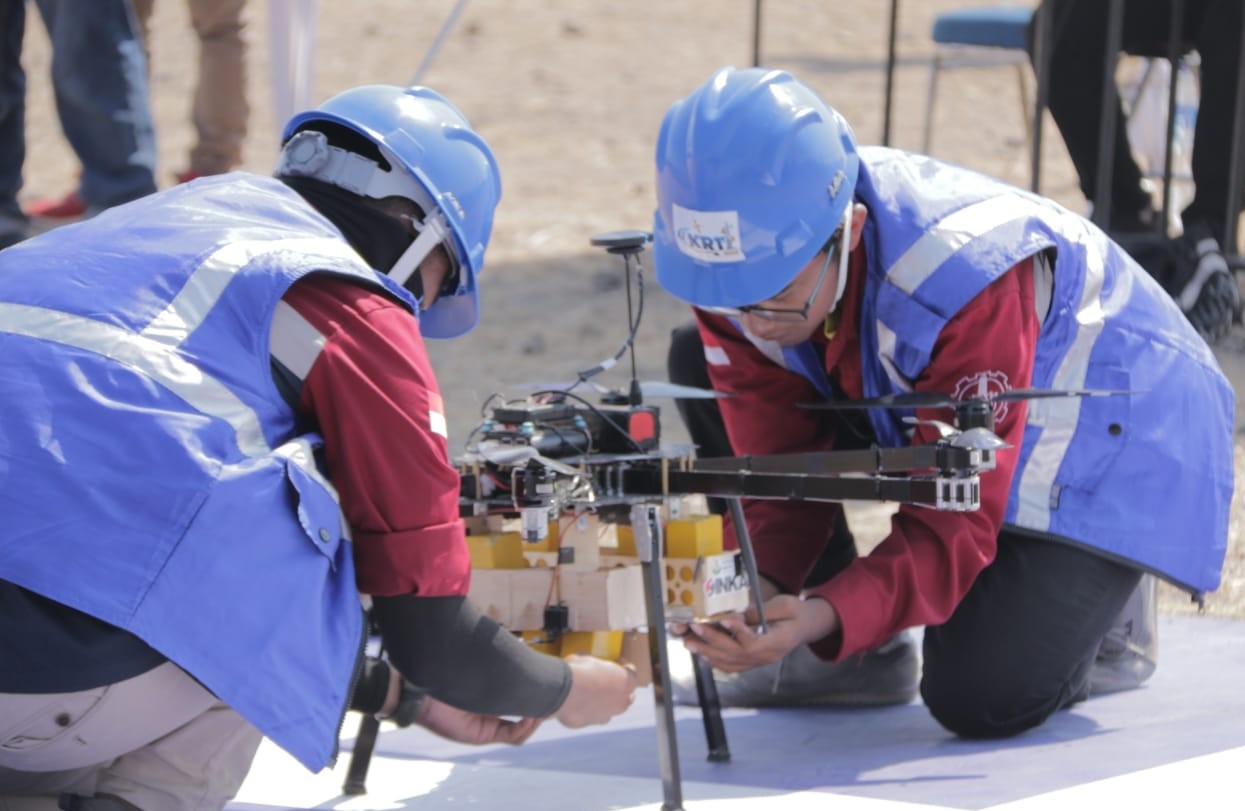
[(603, 599), (694, 537), (549, 543), (488, 524), (626, 540), (722, 585), (541, 560), (601, 644), (702, 587), (497, 551), (582, 535), (490, 593), (635, 650), (516, 598), (530, 592)]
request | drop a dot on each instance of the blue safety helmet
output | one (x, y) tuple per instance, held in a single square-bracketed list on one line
[(440, 163), (754, 174)]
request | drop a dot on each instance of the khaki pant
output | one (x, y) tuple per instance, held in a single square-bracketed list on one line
[(220, 108), (159, 741)]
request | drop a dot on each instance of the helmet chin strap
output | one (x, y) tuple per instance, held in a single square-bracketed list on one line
[(432, 232), (844, 250)]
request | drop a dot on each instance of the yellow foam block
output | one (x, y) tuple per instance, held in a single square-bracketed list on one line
[(549, 543), (626, 540), (498, 551), (538, 641), (601, 644), (694, 537)]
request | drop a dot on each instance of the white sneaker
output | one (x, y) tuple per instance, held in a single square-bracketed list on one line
[(1128, 654), (888, 674)]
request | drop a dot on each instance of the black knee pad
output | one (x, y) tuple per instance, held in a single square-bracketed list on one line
[(984, 711)]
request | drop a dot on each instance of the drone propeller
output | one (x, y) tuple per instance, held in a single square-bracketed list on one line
[(648, 388), (934, 399)]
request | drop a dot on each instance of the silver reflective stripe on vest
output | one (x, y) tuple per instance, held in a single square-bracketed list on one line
[(951, 233), (887, 341), (158, 361), (1058, 416), (294, 343), (301, 452), (154, 351), (205, 286)]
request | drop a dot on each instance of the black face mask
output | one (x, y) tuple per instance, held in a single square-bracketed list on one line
[(378, 237)]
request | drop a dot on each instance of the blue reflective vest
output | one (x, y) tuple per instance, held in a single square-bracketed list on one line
[(1146, 478), (151, 474)]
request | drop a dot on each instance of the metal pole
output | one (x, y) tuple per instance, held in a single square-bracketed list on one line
[(446, 27), (1041, 66), (756, 34), (750, 561), (646, 528), (710, 711), (890, 74), (355, 783), (1110, 105), (1236, 178)]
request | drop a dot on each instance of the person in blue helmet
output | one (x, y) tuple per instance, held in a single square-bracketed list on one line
[(221, 431), (823, 270)]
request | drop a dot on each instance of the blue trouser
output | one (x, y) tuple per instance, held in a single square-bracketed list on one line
[(12, 113), (99, 76)]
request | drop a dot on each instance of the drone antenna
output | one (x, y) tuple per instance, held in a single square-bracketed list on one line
[(629, 244), (633, 396)]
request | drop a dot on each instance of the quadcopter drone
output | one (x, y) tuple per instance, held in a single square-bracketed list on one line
[(555, 456), (555, 453)]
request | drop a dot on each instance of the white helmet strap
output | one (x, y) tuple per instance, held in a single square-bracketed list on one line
[(845, 248), (308, 153), (432, 232)]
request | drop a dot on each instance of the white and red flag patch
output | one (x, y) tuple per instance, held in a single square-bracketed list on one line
[(436, 415)]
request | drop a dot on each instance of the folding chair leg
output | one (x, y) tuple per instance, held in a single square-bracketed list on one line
[(934, 67)]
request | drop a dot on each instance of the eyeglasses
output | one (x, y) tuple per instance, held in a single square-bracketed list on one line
[(786, 314)]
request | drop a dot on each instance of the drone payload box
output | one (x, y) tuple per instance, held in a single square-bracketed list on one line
[(594, 576)]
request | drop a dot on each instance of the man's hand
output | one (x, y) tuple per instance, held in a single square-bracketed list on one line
[(469, 727), (599, 691), (732, 644)]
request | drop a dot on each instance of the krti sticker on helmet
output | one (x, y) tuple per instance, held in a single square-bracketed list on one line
[(835, 183), (710, 236)]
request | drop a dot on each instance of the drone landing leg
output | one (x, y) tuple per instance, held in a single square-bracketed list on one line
[(711, 710), (750, 560), (646, 527)]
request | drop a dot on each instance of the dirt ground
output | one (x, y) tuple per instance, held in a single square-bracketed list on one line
[(570, 95)]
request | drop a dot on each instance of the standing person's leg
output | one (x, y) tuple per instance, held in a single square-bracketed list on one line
[(1023, 642), (220, 102), (1215, 29), (13, 225), (99, 74), (1078, 34), (158, 741), (142, 14)]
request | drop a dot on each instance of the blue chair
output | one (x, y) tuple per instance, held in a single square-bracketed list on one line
[(985, 36)]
